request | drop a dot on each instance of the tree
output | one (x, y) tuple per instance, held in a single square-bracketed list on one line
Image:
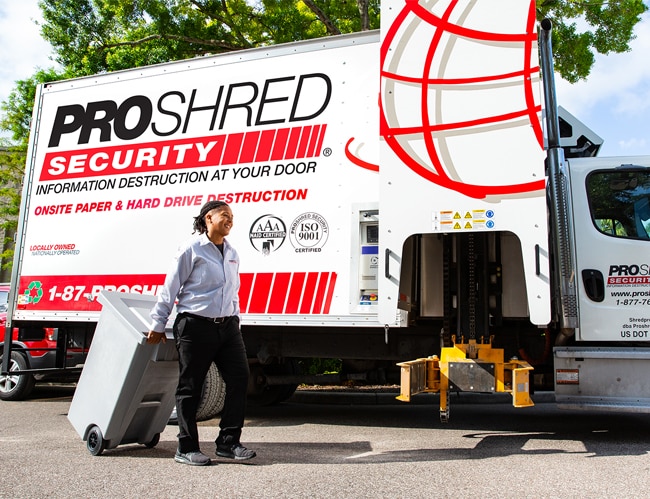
[(17, 112), (12, 168), (607, 26), (92, 36)]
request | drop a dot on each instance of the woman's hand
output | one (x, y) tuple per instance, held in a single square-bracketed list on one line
[(153, 338)]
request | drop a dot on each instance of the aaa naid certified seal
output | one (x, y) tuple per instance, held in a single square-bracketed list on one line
[(308, 233), (267, 234)]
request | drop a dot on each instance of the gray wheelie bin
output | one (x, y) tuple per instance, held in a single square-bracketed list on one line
[(126, 389)]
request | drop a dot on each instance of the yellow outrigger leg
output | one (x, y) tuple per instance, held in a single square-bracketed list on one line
[(466, 367)]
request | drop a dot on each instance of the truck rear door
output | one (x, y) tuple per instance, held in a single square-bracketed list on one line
[(611, 206)]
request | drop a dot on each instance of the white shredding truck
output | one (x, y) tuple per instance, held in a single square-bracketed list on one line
[(411, 196)]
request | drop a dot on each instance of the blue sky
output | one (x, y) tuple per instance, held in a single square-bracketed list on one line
[(614, 102)]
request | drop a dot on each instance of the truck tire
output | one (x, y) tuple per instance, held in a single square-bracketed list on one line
[(213, 395), (262, 394), (13, 386)]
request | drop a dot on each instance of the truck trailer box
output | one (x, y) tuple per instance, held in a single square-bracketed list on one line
[(124, 161)]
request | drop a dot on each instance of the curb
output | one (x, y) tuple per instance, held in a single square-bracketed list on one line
[(388, 398)]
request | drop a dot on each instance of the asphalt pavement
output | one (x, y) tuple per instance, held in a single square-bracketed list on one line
[(334, 444)]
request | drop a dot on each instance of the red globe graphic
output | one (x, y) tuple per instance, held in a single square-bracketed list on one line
[(456, 83)]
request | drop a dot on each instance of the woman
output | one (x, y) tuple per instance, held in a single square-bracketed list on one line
[(204, 280)]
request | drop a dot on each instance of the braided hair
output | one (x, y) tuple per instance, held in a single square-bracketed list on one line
[(199, 221)]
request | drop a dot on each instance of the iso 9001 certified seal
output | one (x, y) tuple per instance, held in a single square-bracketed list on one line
[(309, 233)]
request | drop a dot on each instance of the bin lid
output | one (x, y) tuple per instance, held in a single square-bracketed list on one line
[(132, 309)]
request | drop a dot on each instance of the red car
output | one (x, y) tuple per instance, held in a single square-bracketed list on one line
[(32, 348)]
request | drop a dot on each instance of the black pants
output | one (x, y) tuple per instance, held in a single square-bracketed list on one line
[(199, 343)]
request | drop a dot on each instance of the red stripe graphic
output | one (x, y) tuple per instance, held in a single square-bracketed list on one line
[(319, 143), (280, 144), (264, 147), (287, 293), (320, 294), (313, 142), (330, 293), (259, 293), (293, 143), (308, 293), (227, 149), (233, 146), (279, 293), (304, 142), (250, 144), (246, 284), (295, 293)]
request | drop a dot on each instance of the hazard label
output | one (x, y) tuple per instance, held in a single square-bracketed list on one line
[(463, 220)]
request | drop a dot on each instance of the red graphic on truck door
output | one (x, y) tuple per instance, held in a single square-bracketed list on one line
[(431, 56)]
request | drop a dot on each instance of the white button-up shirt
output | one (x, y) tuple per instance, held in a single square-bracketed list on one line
[(204, 281)]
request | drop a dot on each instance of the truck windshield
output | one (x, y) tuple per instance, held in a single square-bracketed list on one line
[(619, 202)]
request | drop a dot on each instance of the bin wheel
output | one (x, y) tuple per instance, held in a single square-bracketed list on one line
[(95, 442), (154, 441)]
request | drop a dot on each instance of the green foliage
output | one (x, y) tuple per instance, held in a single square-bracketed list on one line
[(17, 110), (93, 36), (605, 27), (321, 366), (12, 168), (17, 113)]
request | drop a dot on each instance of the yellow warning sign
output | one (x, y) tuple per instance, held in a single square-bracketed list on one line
[(462, 220)]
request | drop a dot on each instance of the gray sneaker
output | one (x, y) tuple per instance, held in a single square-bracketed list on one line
[(236, 451), (196, 458)]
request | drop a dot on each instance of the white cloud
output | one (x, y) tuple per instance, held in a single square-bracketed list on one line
[(23, 48), (616, 76), (632, 143), (634, 102), (615, 99)]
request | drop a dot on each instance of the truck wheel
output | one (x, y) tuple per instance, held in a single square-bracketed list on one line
[(262, 394), (213, 395), (15, 386), (95, 442), (291, 367)]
